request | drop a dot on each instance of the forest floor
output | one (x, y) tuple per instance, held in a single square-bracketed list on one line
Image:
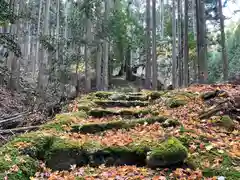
[(190, 133)]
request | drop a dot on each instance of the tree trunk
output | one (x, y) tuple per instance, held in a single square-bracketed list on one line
[(194, 19), (186, 55), (180, 45), (224, 51), (106, 50), (99, 68), (148, 50), (15, 62), (174, 60), (43, 69), (38, 35), (128, 64), (201, 41), (154, 48), (87, 56), (162, 9), (58, 30)]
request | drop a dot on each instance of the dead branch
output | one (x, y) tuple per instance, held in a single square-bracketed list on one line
[(19, 130)]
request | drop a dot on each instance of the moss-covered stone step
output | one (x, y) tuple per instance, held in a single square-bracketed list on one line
[(123, 124), (60, 154), (109, 103), (65, 119), (174, 103), (124, 112), (129, 96), (118, 97)]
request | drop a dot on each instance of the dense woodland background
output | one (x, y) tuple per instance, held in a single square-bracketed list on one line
[(55, 48)]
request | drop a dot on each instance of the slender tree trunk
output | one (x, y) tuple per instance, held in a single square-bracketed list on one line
[(98, 68), (106, 49), (174, 60), (154, 48), (38, 35), (148, 50), (224, 51), (179, 59), (43, 69), (186, 55), (162, 9), (201, 42), (99, 85), (58, 30), (194, 19), (15, 63), (87, 56)]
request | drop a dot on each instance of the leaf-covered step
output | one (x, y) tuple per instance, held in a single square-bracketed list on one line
[(60, 153), (124, 112), (121, 124), (117, 97), (129, 96), (110, 103)]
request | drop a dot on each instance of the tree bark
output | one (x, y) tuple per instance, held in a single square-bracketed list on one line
[(201, 41), (87, 57), (186, 55), (38, 35), (154, 48), (148, 50), (179, 57), (224, 51), (174, 60), (43, 69), (106, 50)]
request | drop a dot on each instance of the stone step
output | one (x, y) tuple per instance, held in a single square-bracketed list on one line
[(110, 103), (123, 124), (98, 112), (60, 154)]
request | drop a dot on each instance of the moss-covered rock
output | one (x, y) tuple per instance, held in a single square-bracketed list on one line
[(103, 94), (174, 103), (18, 158), (126, 97), (110, 103), (125, 112), (167, 153), (227, 122), (155, 94), (122, 124)]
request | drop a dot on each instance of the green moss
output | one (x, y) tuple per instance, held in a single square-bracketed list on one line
[(185, 139), (167, 153), (64, 119), (227, 122), (109, 103), (102, 112), (170, 123), (174, 103), (25, 167), (225, 168), (120, 124), (125, 112), (103, 94), (155, 94)]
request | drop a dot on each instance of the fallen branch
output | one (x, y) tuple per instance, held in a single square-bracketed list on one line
[(227, 105), (13, 120), (18, 130)]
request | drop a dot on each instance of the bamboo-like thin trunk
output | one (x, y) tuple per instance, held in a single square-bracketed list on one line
[(154, 48), (174, 60)]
